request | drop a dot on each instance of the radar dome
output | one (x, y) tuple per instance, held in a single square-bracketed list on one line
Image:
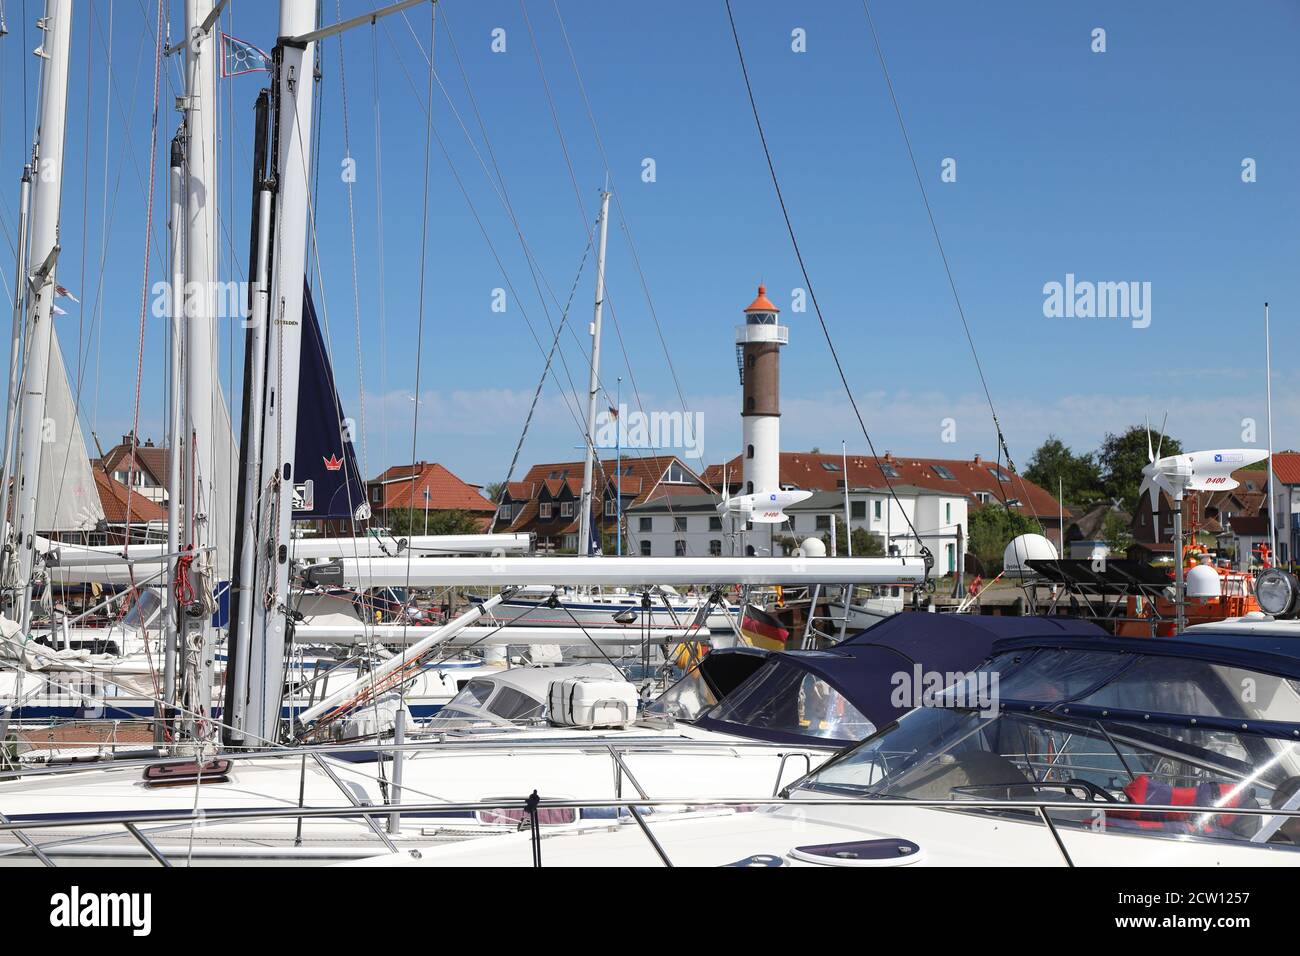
[(812, 548), (1203, 582), (1023, 548)]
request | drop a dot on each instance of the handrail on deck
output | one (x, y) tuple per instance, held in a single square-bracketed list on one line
[(530, 805)]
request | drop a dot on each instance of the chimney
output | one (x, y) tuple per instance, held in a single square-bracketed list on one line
[(978, 459), (889, 457)]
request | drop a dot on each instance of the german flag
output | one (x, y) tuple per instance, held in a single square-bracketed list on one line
[(762, 629)]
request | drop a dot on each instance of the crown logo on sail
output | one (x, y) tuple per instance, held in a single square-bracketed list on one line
[(333, 463)]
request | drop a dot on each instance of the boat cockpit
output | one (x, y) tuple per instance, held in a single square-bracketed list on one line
[(1104, 728)]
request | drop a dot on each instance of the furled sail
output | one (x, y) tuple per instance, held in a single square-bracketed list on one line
[(67, 498), (327, 482)]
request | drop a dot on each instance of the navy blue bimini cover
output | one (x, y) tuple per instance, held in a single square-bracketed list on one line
[(323, 454), (946, 641), (865, 668)]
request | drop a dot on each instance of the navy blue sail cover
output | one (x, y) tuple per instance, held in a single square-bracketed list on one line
[(323, 455)]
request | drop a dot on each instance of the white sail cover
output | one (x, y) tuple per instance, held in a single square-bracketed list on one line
[(67, 498)]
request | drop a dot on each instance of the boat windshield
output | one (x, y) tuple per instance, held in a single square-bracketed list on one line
[(146, 606), (685, 700), (788, 699), (1126, 747), (484, 702)]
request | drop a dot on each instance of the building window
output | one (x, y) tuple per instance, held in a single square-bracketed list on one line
[(566, 509), (889, 470), (645, 549), (749, 487), (983, 497), (679, 548), (377, 494), (999, 474), (951, 551), (875, 508), (823, 522), (679, 523), (544, 510), (943, 472), (947, 512), (677, 475), (571, 542), (830, 466), (611, 508), (646, 524), (749, 451), (749, 404), (715, 548), (715, 523), (858, 509)]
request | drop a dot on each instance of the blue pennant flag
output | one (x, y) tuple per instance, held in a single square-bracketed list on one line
[(239, 57)]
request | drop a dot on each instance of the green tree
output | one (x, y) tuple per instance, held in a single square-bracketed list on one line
[(408, 521), (1122, 458), (493, 491), (1055, 466), (991, 529), (1116, 533), (865, 544)]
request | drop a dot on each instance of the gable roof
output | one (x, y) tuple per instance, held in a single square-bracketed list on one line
[(641, 480), (1286, 465), (404, 486), (151, 459), (113, 495)]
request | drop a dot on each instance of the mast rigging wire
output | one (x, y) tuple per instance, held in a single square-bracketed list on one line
[(771, 167)]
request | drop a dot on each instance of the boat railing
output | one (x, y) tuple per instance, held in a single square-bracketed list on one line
[(530, 809)]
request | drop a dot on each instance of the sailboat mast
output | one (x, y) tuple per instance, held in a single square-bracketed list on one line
[(43, 253), (199, 514), (15, 350), (293, 124), (246, 537), (176, 234), (584, 514)]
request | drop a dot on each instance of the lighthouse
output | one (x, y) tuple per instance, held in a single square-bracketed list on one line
[(758, 350)]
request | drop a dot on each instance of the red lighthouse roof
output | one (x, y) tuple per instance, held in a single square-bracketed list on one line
[(762, 303)]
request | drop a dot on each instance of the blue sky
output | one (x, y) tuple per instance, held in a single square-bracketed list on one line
[(1117, 166)]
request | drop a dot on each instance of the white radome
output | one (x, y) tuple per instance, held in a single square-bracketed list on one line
[(1203, 582), (1023, 548), (812, 548)]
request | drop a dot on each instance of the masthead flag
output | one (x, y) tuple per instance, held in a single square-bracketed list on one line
[(239, 57)]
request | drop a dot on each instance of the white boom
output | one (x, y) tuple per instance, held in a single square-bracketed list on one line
[(484, 636), (305, 549), (631, 572)]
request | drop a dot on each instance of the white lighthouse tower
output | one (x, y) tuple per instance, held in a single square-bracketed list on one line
[(758, 349)]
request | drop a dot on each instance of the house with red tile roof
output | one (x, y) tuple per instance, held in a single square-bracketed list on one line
[(147, 471), (981, 480), (545, 502), (1285, 496), (425, 486), (1205, 512), (148, 518)]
